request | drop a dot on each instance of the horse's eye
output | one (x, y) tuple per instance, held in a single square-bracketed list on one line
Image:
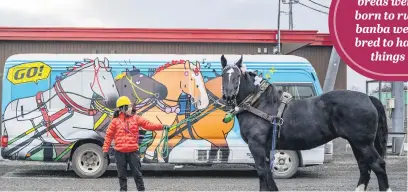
[(125, 85), (113, 85), (138, 82)]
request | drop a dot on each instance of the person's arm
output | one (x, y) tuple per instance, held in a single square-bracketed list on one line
[(147, 124), (109, 136)]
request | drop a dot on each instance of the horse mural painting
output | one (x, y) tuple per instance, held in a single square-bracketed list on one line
[(137, 87), (207, 125), (147, 92), (307, 123), (179, 77), (51, 116)]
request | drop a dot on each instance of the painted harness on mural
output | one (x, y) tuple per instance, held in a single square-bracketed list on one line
[(70, 106)]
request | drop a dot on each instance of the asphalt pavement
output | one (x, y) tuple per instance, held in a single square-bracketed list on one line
[(339, 175)]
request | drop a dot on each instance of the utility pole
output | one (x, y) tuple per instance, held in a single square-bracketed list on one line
[(290, 16), (398, 93), (331, 73), (290, 2), (279, 35)]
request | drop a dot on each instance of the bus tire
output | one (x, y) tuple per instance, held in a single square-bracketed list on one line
[(88, 161), (286, 164)]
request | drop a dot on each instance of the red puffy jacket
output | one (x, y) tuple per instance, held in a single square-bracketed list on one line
[(119, 129)]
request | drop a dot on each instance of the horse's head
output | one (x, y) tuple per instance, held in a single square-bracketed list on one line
[(236, 82), (103, 83), (193, 84), (136, 85)]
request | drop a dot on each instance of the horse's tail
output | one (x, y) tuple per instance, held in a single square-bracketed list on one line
[(380, 142)]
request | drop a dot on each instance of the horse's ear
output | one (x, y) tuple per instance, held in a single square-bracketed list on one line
[(239, 62), (96, 62), (198, 65), (223, 61), (187, 65), (106, 62)]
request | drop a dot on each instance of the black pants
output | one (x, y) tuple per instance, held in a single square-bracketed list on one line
[(131, 158)]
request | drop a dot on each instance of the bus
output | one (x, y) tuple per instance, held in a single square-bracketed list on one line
[(57, 107)]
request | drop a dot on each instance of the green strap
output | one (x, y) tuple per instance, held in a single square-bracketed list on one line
[(165, 137)]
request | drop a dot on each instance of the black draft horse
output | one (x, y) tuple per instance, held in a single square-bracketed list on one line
[(308, 123)]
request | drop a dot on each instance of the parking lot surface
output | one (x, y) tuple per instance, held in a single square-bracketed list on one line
[(339, 175)]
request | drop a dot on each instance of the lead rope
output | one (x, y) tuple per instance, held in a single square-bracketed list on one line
[(165, 139), (165, 136), (272, 158)]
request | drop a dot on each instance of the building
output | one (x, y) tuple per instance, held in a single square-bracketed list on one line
[(309, 44)]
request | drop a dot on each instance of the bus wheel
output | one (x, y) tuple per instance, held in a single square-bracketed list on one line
[(286, 164), (88, 162)]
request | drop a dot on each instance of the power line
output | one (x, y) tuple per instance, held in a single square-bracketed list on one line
[(313, 8), (319, 4)]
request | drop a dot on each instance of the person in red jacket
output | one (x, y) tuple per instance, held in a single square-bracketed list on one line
[(124, 129)]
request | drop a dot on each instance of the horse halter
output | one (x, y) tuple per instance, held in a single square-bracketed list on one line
[(231, 67), (96, 72), (133, 85)]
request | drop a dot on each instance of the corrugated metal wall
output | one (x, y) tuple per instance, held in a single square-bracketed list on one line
[(318, 55)]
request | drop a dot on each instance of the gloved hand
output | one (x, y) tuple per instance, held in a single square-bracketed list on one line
[(134, 108), (105, 155)]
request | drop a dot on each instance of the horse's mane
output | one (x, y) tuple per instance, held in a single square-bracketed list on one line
[(271, 93), (172, 63), (169, 64)]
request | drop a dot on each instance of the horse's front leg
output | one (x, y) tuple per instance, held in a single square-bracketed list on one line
[(271, 182), (258, 151)]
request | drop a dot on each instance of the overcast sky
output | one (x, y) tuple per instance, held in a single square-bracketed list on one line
[(227, 14)]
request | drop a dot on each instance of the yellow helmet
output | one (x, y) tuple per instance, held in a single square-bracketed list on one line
[(123, 100)]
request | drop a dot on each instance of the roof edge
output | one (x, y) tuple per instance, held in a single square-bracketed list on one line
[(162, 35)]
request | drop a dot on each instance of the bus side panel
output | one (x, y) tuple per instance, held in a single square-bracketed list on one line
[(43, 121)]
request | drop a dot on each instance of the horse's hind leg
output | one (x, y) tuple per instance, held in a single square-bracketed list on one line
[(364, 170), (378, 166), (371, 158), (259, 154)]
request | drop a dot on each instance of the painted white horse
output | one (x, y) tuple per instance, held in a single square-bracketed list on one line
[(61, 114)]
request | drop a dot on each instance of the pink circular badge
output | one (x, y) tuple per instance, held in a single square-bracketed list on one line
[(371, 36)]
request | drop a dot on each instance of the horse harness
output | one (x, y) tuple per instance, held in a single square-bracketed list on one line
[(246, 105), (70, 107)]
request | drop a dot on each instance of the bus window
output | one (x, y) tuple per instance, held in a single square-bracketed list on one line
[(297, 90)]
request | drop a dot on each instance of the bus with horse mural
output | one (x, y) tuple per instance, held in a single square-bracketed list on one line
[(56, 108)]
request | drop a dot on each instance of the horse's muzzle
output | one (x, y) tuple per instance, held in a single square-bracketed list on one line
[(230, 101)]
